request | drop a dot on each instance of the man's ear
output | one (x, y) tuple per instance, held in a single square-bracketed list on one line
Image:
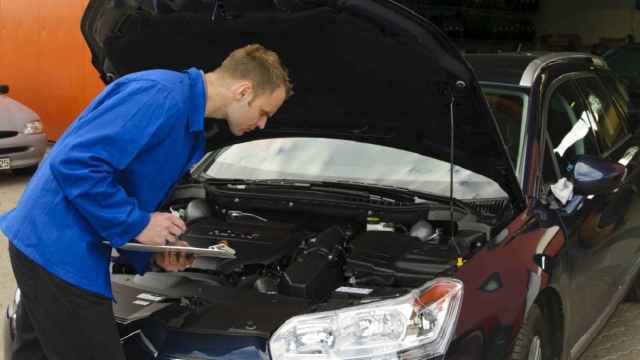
[(242, 89)]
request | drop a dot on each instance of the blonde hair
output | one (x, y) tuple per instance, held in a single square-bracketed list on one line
[(260, 66)]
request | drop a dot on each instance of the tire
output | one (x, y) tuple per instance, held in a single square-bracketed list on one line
[(533, 339)]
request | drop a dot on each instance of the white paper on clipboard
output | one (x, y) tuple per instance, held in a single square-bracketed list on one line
[(186, 249)]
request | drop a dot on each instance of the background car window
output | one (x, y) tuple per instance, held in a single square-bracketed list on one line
[(569, 125), (609, 127), (342, 160), (508, 109)]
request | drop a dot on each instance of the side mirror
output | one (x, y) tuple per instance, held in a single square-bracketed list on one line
[(592, 175), (4, 89)]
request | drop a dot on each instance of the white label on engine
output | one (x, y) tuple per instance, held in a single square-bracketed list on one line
[(149, 297), (352, 290), (142, 303), (380, 227)]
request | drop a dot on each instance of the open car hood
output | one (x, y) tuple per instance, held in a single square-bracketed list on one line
[(364, 70)]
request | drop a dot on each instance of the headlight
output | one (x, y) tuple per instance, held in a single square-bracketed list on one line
[(34, 127), (419, 325)]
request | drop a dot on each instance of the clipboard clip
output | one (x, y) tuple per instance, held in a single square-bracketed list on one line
[(223, 246), (177, 213)]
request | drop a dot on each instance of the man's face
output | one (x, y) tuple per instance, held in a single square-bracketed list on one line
[(245, 114)]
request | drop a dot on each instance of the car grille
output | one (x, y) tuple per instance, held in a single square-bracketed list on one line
[(7, 134), (13, 150)]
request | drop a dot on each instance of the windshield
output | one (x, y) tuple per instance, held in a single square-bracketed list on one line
[(509, 108), (342, 160)]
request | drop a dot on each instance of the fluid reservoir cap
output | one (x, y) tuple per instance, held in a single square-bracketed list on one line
[(423, 230), (197, 209)]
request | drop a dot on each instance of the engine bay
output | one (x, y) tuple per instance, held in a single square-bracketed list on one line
[(318, 257)]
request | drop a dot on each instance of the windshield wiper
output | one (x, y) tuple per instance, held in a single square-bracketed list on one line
[(418, 196), (349, 187), (308, 185)]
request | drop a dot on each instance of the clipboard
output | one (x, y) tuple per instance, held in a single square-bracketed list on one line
[(187, 249)]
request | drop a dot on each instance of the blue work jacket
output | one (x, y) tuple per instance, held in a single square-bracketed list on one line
[(107, 173)]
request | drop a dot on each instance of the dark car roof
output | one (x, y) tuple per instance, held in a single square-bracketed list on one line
[(521, 68)]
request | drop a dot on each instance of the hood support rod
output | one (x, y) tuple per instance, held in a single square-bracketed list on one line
[(451, 166)]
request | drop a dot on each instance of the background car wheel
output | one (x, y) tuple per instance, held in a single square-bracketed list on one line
[(532, 341)]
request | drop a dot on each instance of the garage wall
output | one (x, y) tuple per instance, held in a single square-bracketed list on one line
[(44, 60), (591, 19)]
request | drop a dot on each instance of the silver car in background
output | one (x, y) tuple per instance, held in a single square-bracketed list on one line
[(22, 139)]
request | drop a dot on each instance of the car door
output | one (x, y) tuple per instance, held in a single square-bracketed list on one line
[(621, 218), (569, 129)]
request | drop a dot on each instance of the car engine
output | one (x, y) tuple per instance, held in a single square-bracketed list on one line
[(318, 262)]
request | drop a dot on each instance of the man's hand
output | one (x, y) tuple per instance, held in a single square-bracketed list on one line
[(174, 260), (163, 228)]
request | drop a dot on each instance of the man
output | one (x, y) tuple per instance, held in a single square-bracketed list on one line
[(104, 179)]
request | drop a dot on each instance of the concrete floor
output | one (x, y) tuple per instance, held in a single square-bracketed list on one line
[(620, 340)]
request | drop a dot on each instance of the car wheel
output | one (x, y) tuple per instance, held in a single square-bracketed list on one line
[(532, 341)]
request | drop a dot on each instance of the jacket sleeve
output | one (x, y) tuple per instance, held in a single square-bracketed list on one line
[(101, 145), (140, 261)]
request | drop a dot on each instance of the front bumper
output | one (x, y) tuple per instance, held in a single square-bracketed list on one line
[(23, 150), (176, 334), (176, 345)]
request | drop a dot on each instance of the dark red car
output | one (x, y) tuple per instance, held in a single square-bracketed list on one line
[(353, 236)]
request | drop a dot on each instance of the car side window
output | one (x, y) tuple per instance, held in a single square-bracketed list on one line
[(608, 123), (617, 89), (569, 126)]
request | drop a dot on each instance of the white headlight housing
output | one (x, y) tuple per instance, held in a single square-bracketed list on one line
[(419, 325), (33, 127)]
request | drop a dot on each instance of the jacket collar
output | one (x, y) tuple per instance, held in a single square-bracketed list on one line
[(197, 97)]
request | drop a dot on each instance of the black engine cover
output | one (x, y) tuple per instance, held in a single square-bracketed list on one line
[(391, 258), (314, 273), (254, 243)]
